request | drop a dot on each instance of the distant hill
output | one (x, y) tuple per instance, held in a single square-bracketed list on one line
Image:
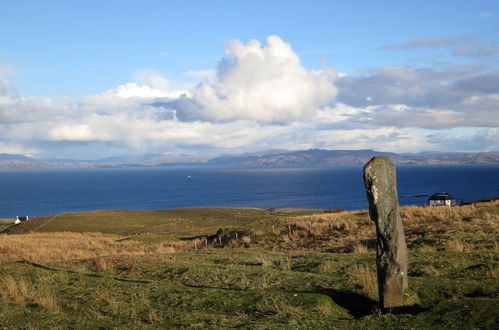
[(233, 159), (311, 157), (449, 158), (128, 158), (267, 158)]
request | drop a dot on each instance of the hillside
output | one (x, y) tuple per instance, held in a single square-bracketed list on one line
[(268, 158), (246, 268)]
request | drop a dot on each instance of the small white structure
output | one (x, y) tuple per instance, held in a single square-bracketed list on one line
[(441, 199), (20, 219)]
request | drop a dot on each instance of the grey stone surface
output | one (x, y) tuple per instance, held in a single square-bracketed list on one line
[(391, 252)]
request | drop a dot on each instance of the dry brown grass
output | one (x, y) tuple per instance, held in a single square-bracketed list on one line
[(14, 291), (338, 232), (426, 248), (276, 307), (418, 214), (493, 272), (45, 247), (317, 225), (462, 228), (246, 239), (21, 292), (46, 299), (458, 246), (361, 248), (154, 317), (366, 278), (476, 211), (459, 228)]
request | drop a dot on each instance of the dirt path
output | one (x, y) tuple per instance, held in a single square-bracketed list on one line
[(28, 226)]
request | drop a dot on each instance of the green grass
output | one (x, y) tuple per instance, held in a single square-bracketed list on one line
[(175, 222), (275, 281), (228, 288), (5, 223)]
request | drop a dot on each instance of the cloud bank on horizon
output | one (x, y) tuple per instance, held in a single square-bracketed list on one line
[(260, 97)]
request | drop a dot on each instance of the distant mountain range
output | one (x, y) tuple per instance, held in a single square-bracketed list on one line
[(268, 158)]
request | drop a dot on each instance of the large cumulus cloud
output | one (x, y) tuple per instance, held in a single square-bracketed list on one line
[(263, 83)]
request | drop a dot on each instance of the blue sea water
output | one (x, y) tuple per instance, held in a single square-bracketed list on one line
[(43, 192)]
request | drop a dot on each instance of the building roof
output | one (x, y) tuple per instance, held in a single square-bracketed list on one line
[(441, 197)]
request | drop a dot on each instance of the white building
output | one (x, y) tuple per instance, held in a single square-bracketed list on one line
[(20, 219), (441, 199)]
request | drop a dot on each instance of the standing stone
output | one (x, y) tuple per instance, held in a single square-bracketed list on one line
[(391, 252)]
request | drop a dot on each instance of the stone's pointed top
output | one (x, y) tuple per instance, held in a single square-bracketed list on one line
[(379, 160)]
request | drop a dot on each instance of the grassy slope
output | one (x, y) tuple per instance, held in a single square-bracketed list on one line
[(5, 223), (272, 279), (188, 222)]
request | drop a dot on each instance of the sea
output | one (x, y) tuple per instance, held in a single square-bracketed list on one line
[(53, 191)]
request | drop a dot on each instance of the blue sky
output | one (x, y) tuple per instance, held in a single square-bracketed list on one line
[(70, 68)]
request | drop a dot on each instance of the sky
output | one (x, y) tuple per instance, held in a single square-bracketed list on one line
[(94, 79)]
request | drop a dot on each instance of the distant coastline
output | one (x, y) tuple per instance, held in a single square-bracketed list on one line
[(268, 158)]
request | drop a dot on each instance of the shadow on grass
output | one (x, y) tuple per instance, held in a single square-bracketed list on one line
[(214, 287), (54, 269), (359, 306), (356, 304)]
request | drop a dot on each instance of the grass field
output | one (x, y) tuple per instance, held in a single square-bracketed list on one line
[(4, 223), (249, 268)]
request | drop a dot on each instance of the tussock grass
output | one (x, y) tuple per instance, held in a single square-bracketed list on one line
[(366, 278), (278, 308), (428, 229), (14, 291), (457, 246), (45, 247), (461, 228), (46, 299), (19, 291), (430, 270), (344, 222), (362, 248)]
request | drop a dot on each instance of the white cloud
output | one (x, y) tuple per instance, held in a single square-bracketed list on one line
[(131, 90), (263, 83), (14, 109), (149, 86), (426, 98), (130, 98), (469, 139), (261, 97), (383, 138), (340, 112), (153, 79), (16, 148)]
